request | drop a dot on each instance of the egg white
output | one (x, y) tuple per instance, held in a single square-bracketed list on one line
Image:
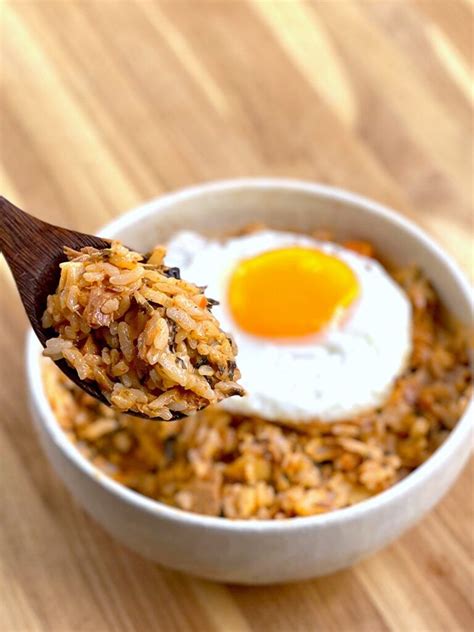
[(343, 371)]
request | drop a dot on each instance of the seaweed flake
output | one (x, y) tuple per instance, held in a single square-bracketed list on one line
[(201, 361), (231, 366), (173, 330), (173, 273), (211, 302)]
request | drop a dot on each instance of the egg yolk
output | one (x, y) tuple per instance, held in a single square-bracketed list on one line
[(290, 292)]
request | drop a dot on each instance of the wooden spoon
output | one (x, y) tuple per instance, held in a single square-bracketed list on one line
[(34, 249)]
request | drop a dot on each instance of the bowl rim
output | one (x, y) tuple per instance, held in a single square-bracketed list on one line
[(158, 509)]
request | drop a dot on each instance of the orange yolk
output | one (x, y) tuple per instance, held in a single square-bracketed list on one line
[(290, 292)]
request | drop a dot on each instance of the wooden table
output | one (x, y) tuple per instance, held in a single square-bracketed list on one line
[(107, 103)]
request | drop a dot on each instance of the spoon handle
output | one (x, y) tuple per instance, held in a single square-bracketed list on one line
[(33, 250), (27, 249), (20, 234)]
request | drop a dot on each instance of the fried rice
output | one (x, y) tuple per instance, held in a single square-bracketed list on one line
[(144, 335), (238, 467)]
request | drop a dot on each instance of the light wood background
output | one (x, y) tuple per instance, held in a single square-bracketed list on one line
[(107, 103)]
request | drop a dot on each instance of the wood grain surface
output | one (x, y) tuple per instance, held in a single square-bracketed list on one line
[(107, 103)]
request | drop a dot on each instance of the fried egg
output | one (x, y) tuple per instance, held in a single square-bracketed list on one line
[(322, 331)]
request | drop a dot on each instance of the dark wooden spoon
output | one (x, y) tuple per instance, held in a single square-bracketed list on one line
[(33, 250)]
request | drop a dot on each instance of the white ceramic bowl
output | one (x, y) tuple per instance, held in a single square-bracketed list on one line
[(260, 552)]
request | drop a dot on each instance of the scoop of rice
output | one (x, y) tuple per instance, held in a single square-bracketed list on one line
[(147, 337)]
